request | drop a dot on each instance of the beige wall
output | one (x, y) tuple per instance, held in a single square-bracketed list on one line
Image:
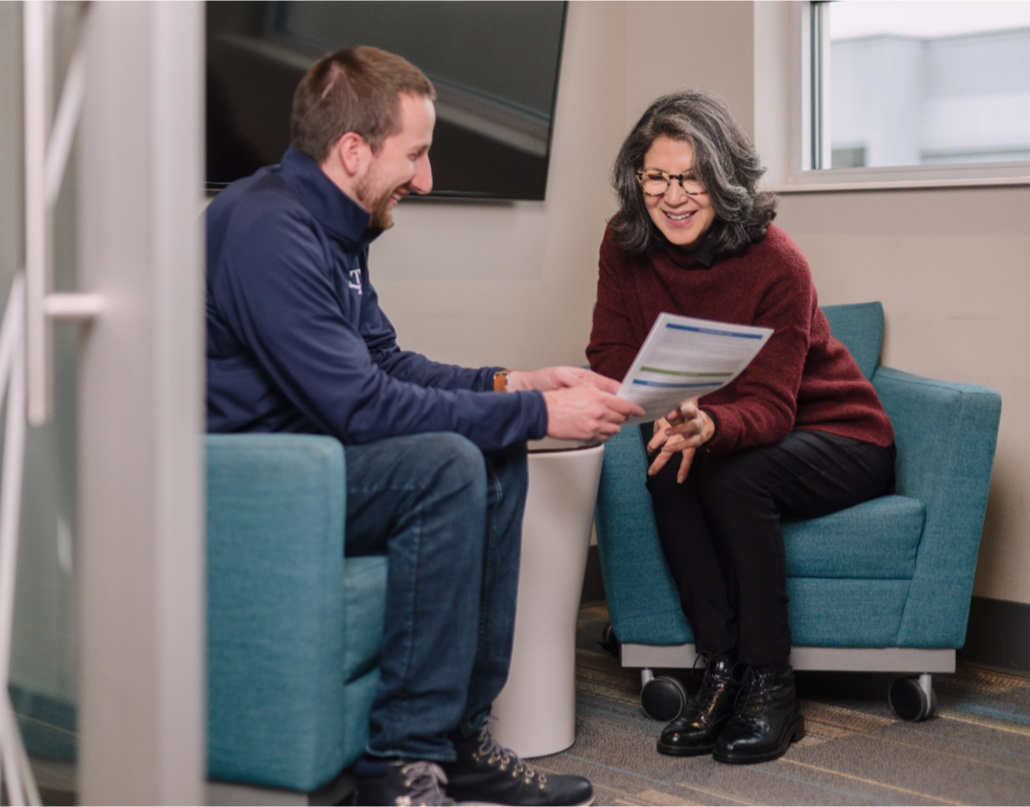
[(952, 271), (514, 283)]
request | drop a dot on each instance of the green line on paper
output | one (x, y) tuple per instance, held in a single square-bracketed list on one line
[(662, 371)]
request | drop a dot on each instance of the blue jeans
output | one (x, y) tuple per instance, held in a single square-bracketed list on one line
[(450, 519)]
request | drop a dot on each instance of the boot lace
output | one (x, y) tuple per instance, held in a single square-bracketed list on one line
[(504, 758), (425, 781), (709, 683), (750, 703)]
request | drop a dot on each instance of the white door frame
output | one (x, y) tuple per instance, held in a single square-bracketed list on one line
[(140, 573)]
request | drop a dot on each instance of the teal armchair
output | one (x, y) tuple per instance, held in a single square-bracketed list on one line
[(294, 627), (883, 586)]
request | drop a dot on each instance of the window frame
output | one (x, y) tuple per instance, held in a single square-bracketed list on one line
[(810, 46)]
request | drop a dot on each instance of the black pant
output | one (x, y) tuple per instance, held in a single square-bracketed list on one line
[(720, 531)]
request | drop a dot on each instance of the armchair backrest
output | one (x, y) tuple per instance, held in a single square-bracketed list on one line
[(860, 327)]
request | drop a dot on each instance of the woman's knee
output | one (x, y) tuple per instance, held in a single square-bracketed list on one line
[(738, 502), (731, 477), (664, 483)]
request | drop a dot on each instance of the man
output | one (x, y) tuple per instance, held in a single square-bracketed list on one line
[(436, 455)]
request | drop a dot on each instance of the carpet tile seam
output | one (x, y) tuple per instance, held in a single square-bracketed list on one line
[(663, 782), (978, 720), (666, 799), (997, 716), (994, 749), (816, 785), (765, 771), (936, 752), (871, 782)]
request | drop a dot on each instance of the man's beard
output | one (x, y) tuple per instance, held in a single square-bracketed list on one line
[(380, 212)]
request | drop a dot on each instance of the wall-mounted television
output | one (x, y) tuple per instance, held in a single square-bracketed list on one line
[(494, 64)]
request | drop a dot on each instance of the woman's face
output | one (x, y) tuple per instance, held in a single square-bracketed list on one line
[(683, 219)]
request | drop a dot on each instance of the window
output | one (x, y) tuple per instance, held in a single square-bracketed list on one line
[(918, 83)]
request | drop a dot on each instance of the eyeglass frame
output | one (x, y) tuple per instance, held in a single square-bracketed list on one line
[(656, 173)]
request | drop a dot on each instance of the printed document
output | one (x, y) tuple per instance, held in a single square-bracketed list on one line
[(684, 358)]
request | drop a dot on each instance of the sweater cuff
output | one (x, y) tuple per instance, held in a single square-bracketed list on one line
[(714, 443), (715, 424)]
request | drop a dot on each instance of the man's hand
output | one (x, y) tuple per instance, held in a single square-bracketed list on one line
[(585, 413), (683, 430), (554, 378)]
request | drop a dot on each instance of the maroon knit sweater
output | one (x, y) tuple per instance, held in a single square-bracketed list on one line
[(802, 378)]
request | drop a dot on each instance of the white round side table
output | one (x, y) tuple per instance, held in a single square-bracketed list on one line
[(535, 714)]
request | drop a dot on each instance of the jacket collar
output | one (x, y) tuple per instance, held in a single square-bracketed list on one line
[(340, 215)]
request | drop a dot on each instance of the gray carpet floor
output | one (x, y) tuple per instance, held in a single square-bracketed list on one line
[(974, 750)]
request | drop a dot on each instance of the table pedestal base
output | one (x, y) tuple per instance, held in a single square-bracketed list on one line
[(535, 714)]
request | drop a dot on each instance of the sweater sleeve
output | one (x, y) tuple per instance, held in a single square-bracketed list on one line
[(760, 406), (613, 344), (275, 290)]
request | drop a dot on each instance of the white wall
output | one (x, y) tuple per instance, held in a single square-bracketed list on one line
[(514, 283)]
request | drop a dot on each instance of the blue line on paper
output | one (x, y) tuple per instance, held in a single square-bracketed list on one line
[(715, 331)]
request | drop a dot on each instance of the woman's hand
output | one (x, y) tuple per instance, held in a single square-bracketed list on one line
[(683, 431)]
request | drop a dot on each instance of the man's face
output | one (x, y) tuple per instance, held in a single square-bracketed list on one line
[(401, 166)]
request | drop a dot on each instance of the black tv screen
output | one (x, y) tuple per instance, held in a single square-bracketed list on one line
[(494, 65)]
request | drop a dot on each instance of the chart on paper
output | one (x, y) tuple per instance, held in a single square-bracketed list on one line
[(685, 357)]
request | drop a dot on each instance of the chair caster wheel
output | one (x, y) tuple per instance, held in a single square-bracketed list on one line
[(609, 641), (912, 699), (663, 698)]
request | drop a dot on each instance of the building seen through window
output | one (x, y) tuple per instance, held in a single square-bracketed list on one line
[(921, 83)]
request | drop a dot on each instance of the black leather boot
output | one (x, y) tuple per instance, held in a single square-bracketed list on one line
[(767, 718), (694, 732)]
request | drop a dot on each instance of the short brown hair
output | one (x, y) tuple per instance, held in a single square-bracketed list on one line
[(352, 90)]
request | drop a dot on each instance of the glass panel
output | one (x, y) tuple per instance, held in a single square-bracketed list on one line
[(43, 663), (923, 83)]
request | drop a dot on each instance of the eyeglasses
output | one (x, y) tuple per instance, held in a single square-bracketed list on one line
[(657, 183)]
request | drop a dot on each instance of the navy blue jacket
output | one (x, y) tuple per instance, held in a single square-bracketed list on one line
[(296, 341)]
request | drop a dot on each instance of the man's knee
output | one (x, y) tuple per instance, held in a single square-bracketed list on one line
[(450, 463)]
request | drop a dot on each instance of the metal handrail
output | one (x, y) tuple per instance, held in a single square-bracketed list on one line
[(46, 159), (15, 772)]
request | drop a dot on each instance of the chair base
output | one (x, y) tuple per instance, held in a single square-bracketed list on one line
[(910, 699), (840, 659)]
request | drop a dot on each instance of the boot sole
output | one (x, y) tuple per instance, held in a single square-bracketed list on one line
[(688, 751), (731, 758)]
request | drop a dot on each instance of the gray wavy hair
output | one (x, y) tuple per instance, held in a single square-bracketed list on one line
[(725, 162)]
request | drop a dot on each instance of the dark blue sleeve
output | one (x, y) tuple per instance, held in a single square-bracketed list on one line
[(274, 287), (405, 365)]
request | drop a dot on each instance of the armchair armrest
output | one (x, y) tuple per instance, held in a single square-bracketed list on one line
[(275, 532), (946, 435), (629, 550)]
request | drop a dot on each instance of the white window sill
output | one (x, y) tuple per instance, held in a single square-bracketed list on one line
[(907, 178)]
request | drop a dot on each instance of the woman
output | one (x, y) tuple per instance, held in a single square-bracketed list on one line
[(800, 433)]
